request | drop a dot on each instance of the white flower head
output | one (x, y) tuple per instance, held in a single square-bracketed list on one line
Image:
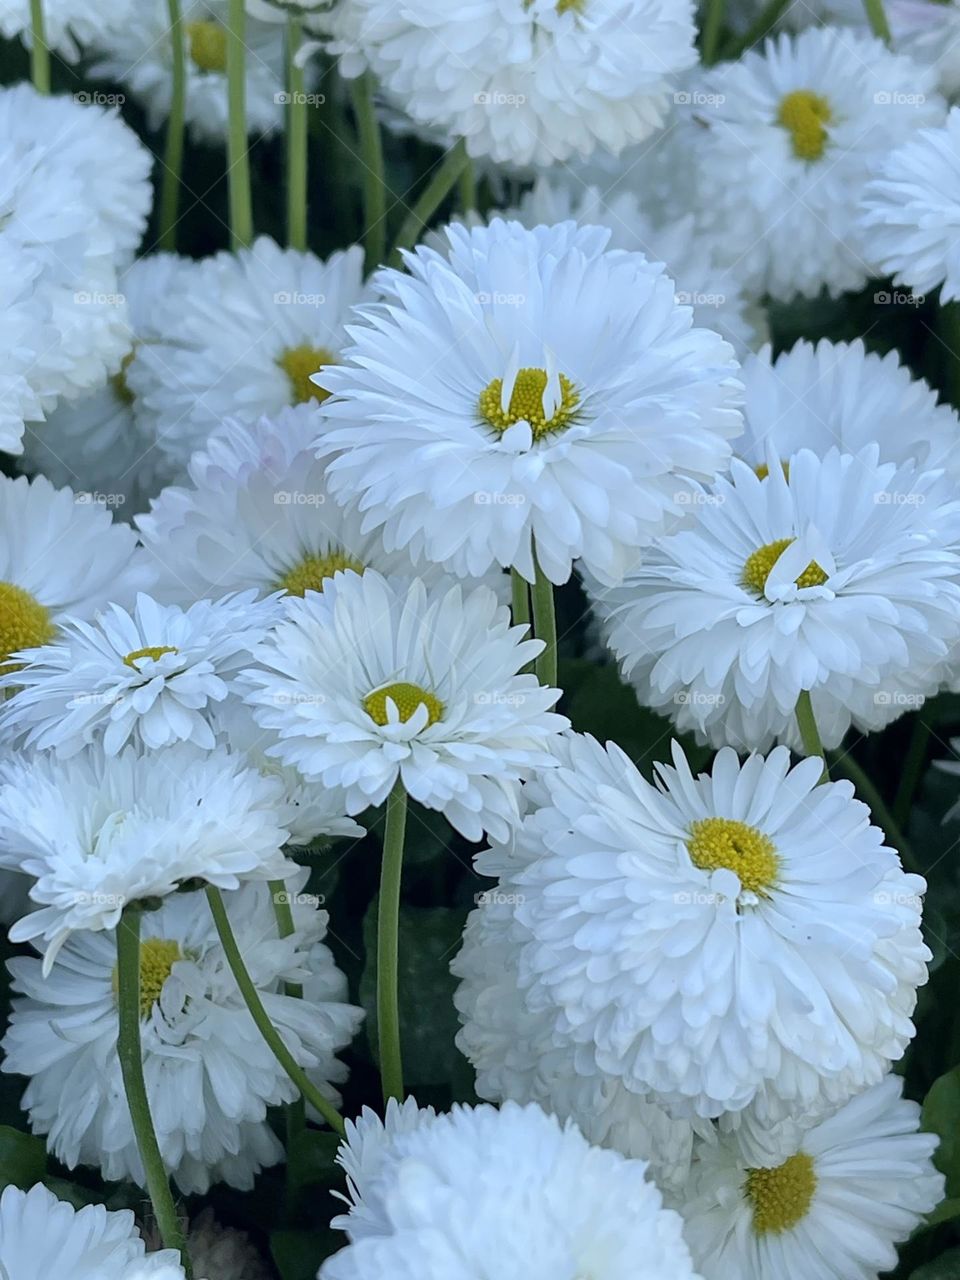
[(377, 679), (852, 1188), (152, 676), (836, 575), (210, 1076), (526, 386), (912, 211), (440, 1196), (98, 832), (802, 124)]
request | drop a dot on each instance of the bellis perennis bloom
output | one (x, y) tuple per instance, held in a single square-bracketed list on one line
[(526, 386), (376, 679)]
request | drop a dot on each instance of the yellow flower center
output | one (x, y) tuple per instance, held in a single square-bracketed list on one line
[(805, 116), (781, 1197), (155, 652), (724, 842), (526, 404), (207, 42), (564, 6), (312, 571), (299, 363), (119, 381), (407, 697), (763, 470), (24, 623), (758, 567), (157, 958)]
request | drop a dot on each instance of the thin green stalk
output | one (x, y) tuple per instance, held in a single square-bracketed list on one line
[(130, 1054), (39, 49), (374, 179), (296, 140), (238, 157), (712, 26), (296, 1117), (266, 1028), (912, 770), (881, 815), (521, 599), (545, 625), (878, 19), (173, 151), (759, 29), (444, 179), (468, 188), (388, 945), (809, 733)]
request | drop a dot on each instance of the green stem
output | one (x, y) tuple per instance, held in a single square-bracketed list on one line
[(758, 30), (130, 1055), (296, 1111), (238, 157), (266, 1028), (881, 815), (173, 152), (388, 945), (444, 179), (521, 599), (912, 770), (809, 733), (712, 26), (39, 49), (545, 625), (878, 19), (296, 140), (468, 188), (374, 180)]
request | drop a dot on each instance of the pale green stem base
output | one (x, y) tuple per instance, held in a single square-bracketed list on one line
[(374, 180), (39, 49), (809, 733), (173, 151), (296, 141), (445, 178), (388, 945), (238, 157), (545, 625)]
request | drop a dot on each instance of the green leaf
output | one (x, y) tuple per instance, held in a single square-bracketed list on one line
[(298, 1254), (313, 1158), (23, 1158), (941, 1115), (945, 1211), (946, 1267)]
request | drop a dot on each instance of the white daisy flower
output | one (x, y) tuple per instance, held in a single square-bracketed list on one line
[(41, 1236), (137, 53), (912, 211), (245, 341), (151, 676), (437, 1197), (60, 556), (375, 679), (69, 25), (527, 387), (27, 333), (97, 832), (841, 579), (837, 394), (210, 1076), (853, 1188), (802, 125), (258, 513), (703, 941), (530, 82)]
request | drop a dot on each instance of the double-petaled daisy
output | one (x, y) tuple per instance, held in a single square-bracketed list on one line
[(210, 1076), (524, 81), (838, 576), (803, 124), (838, 395), (912, 212), (855, 1186), (98, 832), (138, 54), (60, 555), (27, 334), (526, 386), (741, 939), (513, 1193), (69, 26), (152, 675), (377, 679), (245, 341), (41, 1237)]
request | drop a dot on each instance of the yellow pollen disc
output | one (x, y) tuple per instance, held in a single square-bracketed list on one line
[(724, 842), (564, 6), (757, 569), (119, 381), (155, 652), (526, 404), (24, 623), (313, 571), (763, 470), (781, 1197), (207, 42), (299, 363), (805, 116), (157, 958), (408, 697)]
